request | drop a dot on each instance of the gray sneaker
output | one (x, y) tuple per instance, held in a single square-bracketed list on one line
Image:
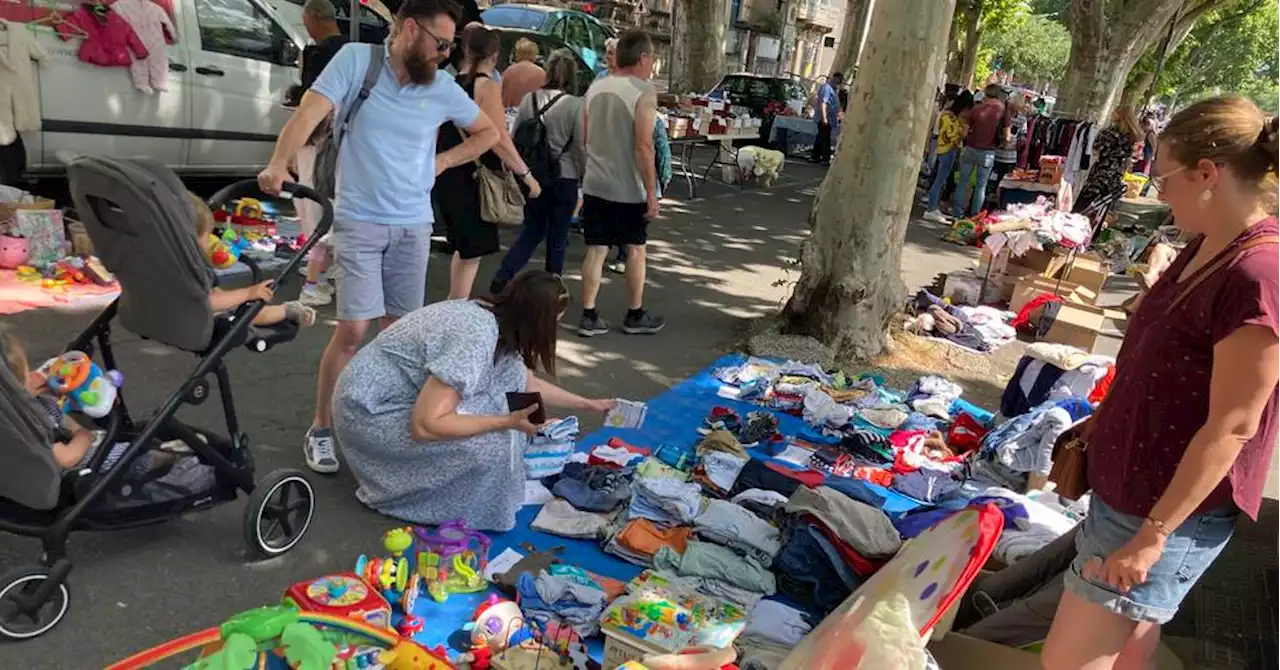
[(319, 451), (589, 327), (643, 324)]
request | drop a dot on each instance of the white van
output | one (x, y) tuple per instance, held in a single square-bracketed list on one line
[(375, 17), (228, 73)]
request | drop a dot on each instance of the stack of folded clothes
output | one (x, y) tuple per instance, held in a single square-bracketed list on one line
[(592, 488), (639, 539)]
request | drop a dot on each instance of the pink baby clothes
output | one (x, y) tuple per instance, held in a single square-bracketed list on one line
[(152, 25), (109, 40)]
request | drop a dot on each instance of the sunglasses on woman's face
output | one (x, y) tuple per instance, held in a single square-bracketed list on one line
[(442, 45), (1158, 181)]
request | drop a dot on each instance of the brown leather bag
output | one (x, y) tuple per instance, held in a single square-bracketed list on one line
[(1068, 470)]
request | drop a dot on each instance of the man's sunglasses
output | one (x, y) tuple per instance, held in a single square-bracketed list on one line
[(442, 45)]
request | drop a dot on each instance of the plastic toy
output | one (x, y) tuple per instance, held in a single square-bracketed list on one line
[(78, 381), (28, 273), (388, 575), (452, 559), (344, 595), (223, 252), (13, 252)]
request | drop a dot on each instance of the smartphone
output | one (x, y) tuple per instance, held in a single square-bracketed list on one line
[(519, 401)]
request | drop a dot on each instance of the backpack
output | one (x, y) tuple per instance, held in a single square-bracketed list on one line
[(326, 169), (530, 139)]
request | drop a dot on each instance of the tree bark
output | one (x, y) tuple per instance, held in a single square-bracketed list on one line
[(954, 56), (1107, 39), (852, 36), (697, 44), (850, 284), (972, 37)]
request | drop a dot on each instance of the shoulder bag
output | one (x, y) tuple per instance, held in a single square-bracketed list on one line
[(326, 169)]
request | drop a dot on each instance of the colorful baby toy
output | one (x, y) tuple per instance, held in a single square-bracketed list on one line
[(343, 595), (452, 559), (13, 251), (79, 382), (224, 251)]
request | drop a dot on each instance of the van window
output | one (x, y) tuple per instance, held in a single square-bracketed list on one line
[(240, 28)]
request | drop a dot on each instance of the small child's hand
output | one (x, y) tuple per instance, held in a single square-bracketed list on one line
[(264, 291)]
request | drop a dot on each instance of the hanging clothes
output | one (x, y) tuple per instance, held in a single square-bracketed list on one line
[(110, 38), (19, 99), (151, 24)]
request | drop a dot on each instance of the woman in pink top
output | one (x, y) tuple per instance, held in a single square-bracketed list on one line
[(1183, 441)]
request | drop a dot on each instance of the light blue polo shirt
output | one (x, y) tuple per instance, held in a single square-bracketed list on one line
[(386, 166)]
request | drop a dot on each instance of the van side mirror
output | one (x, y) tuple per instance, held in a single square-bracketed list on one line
[(290, 54)]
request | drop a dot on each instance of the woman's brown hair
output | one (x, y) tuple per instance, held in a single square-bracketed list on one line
[(528, 312), (1228, 130)]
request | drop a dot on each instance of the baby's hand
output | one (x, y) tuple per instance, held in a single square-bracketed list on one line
[(264, 291)]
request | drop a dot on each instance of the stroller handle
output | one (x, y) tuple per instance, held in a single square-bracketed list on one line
[(250, 188)]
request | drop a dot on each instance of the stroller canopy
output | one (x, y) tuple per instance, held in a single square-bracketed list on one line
[(31, 478), (142, 225)]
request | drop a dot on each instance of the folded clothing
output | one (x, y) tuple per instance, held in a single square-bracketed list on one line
[(756, 653), (564, 430), (666, 501), (776, 622), (548, 598), (733, 526), (644, 537), (926, 484), (756, 475), (722, 468), (532, 563), (861, 565), (723, 441), (811, 570), (863, 527), (559, 517), (617, 454), (806, 476), (702, 559), (653, 467), (856, 486), (546, 457), (592, 488)]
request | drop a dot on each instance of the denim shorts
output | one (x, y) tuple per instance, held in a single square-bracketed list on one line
[(1188, 552)]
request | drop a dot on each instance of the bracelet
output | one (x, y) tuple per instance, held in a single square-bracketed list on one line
[(526, 174), (1159, 525)]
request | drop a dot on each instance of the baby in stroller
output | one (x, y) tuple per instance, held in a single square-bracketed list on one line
[(77, 440), (224, 301)]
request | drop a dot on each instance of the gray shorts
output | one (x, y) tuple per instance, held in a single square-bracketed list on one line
[(383, 269)]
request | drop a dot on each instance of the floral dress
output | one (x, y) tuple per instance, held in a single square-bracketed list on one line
[(480, 478), (1112, 155)]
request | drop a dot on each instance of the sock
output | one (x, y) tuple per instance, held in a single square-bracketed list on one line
[(590, 313), (309, 284), (635, 313)]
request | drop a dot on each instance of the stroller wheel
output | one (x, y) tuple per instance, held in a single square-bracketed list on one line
[(21, 616), (279, 512)]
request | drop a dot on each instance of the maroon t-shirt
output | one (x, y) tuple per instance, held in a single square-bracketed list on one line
[(984, 120), (1160, 396)]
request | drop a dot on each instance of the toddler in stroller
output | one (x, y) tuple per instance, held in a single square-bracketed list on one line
[(139, 217)]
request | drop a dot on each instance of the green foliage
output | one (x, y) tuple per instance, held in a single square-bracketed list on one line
[(306, 648), (1231, 49), (1032, 46), (238, 652)]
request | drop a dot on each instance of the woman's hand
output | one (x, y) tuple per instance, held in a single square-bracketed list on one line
[(535, 189), (1128, 566), (601, 405), (519, 420)]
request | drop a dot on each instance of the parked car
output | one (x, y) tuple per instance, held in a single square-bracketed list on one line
[(582, 32), (229, 68), (546, 44), (759, 92)]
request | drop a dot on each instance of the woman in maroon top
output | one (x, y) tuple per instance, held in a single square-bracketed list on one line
[(1182, 444)]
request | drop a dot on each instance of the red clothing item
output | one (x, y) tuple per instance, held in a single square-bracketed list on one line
[(811, 478), (1160, 396), (862, 566), (110, 39), (984, 120)]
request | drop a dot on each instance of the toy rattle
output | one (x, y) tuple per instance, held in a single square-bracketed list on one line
[(223, 252), (75, 378)]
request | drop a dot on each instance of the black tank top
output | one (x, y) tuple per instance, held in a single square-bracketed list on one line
[(451, 137)]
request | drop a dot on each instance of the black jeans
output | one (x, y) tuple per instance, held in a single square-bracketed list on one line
[(545, 217), (822, 145)]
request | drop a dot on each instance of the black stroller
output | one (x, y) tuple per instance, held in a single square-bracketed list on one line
[(140, 220)]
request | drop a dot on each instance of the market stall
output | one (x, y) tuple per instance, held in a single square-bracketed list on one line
[(699, 120), (759, 505)]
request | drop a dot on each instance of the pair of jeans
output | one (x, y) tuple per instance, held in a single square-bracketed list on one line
[(545, 217), (822, 145), (806, 573), (946, 165), (973, 160)]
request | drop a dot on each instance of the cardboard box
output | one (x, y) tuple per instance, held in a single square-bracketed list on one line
[(1088, 271), (1033, 285), (1077, 326), (1046, 261)]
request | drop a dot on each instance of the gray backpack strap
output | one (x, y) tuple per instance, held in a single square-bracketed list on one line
[(376, 53)]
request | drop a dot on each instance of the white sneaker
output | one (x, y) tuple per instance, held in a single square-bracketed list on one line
[(936, 217), (316, 295), (319, 451)]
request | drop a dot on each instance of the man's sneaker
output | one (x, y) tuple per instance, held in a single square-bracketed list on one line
[(936, 217), (643, 323), (316, 295), (590, 327), (319, 451), (617, 267)]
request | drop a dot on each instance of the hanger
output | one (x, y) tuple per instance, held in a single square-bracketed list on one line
[(53, 21)]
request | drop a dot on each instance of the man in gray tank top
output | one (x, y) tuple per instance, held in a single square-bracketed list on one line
[(619, 187)]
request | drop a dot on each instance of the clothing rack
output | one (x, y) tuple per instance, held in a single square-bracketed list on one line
[(1097, 212)]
